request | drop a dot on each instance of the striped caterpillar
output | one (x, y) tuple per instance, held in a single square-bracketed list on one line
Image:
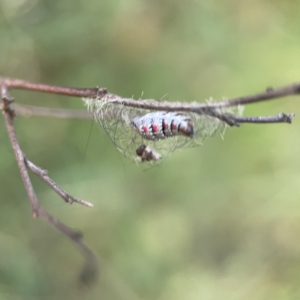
[(161, 125)]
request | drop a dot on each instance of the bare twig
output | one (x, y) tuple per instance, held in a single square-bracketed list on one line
[(8, 116), (90, 269), (210, 109), (13, 83), (280, 118), (233, 120), (30, 110), (269, 94), (43, 175)]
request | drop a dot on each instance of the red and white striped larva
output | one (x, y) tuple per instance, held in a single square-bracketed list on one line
[(161, 125)]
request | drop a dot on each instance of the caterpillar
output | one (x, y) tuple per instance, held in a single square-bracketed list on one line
[(161, 125)]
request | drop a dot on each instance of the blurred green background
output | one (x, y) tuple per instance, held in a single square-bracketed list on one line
[(217, 222)]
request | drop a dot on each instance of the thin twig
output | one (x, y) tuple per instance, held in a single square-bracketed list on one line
[(269, 94), (8, 116), (235, 120), (280, 118), (51, 89), (230, 119), (43, 175), (61, 113), (90, 269), (211, 109)]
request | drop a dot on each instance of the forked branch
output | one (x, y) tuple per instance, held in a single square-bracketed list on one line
[(213, 109), (90, 269)]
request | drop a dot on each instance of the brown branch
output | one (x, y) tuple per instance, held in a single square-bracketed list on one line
[(230, 119), (90, 269), (30, 110), (269, 94), (13, 83), (280, 118), (8, 116), (43, 175), (234, 120), (211, 109)]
